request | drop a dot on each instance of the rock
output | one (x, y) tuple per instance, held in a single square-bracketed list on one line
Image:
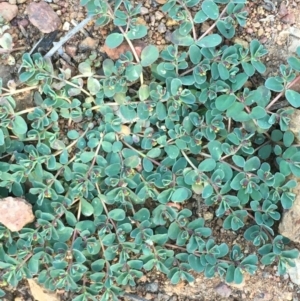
[(141, 21), (88, 44), (290, 222), (163, 297), (5, 73), (8, 11), (71, 50), (161, 1), (295, 125), (263, 297), (21, 1), (223, 290), (24, 23), (294, 272), (171, 22), (208, 216), (293, 45), (161, 28), (132, 297), (289, 19), (125, 130), (260, 32), (115, 53), (144, 10), (151, 287), (43, 17), (158, 15), (288, 295), (12, 1), (282, 10), (66, 26), (242, 42), (168, 35), (294, 31), (39, 293), (15, 213)]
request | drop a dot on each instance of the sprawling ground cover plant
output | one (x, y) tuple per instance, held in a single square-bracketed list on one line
[(104, 159)]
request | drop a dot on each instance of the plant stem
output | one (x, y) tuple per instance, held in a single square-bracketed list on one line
[(104, 206), (127, 40), (19, 91), (71, 84), (216, 188), (72, 144), (281, 93), (11, 50), (68, 36), (96, 153), (205, 34), (141, 154), (191, 19)]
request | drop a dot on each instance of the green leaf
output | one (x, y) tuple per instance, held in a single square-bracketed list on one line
[(1, 137), (85, 69), (274, 84), (252, 164), (87, 156), (154, 153), (211, 9), (93, 85), (114, 40), (78, 256), (132, 161), (215, 149), (224, 102), (200, 17), (172, 151), (138, 32), (108, 66), (19, 125), (144, 92), (207, 165), (86, 208), (117, 214), (293, 98), (73, 134), (238, 276), (142, 215), (181, 40), (133, 72), (6, 41), (181, 194), (212, 40), (195, 54), (294, 63), (149, 55)]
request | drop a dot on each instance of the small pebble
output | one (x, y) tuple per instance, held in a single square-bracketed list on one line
[(161, 28), (223, 290), (24, 23), (152, 287), (158, 15), (288, 296), (88, 44), (144, 10), (66, 26), (260, 32)]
